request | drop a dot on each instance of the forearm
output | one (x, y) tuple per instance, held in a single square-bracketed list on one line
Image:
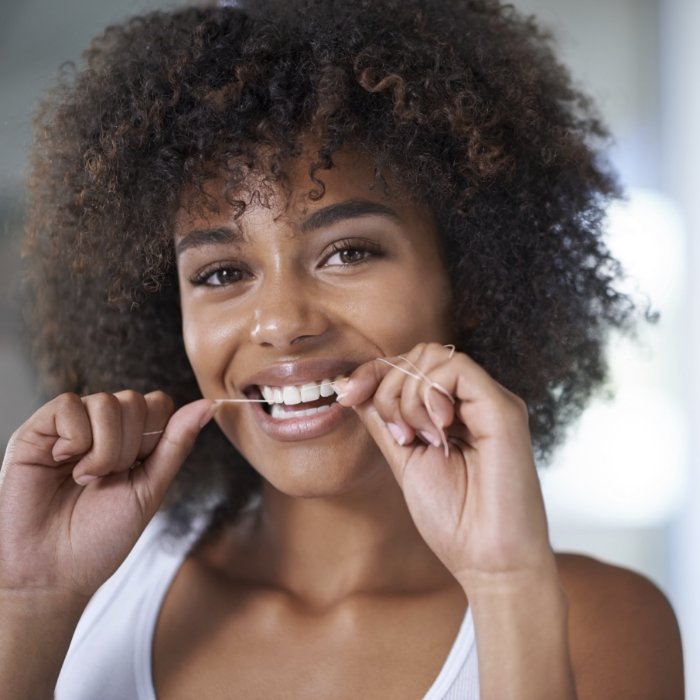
[(521, 625), (35, 632)]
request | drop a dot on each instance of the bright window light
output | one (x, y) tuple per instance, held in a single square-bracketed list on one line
[(625, 463)]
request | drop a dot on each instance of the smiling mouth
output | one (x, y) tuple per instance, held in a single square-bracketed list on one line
[(297, 400)]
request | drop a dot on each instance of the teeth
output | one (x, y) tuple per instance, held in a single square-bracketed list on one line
[(293, 395), (281, 414), (310, 392)]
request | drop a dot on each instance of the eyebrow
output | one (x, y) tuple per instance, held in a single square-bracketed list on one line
[(327, 216), (209, 236), (350, 209)]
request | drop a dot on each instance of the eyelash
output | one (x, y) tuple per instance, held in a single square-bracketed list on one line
[(201, 277), (368, 249)]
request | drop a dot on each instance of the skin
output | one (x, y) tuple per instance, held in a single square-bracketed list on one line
[(346, 562)]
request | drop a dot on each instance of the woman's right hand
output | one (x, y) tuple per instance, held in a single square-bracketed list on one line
[(80, 481)]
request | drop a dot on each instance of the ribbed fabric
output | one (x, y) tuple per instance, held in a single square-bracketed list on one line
[(459, 677), (110, 655)]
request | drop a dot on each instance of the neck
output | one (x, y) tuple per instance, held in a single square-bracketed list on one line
[(324, 550)]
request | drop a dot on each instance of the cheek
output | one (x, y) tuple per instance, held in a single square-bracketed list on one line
[(209, 342), (397, 314)]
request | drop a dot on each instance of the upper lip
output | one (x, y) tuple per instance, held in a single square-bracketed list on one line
[(294, 373)]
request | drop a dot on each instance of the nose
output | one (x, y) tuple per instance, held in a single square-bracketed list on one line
[(287, 314)]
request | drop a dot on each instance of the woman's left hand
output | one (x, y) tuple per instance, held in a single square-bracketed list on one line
[(472, 490)]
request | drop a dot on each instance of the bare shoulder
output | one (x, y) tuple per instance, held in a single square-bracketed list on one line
[(625, 641)]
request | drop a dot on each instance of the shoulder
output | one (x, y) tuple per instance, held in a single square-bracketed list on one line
[(625, 641)]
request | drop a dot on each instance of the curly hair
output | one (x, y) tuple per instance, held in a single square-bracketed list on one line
[(460, 101)]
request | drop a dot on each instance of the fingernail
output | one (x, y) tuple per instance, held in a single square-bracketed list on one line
[(396, 433), (431, 439), (61, 458), (341, 386), (84, 479), (437, 420)]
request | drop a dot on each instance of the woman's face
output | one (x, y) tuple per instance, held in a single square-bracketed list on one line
[(300, 292)]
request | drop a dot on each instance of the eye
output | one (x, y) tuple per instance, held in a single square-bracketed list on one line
[(352, 252), (219, 276)]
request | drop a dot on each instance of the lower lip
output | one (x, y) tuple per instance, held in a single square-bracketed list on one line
[(302, 427)]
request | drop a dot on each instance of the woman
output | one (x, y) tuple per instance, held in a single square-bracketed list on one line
[(349, 227)]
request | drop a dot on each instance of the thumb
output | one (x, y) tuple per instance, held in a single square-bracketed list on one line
[(158, 471), (395, 453)]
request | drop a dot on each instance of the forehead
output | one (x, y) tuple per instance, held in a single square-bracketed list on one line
[(296, 193)]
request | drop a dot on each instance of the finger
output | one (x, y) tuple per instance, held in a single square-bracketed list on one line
[(105, 415), (440, 419), (388, 397), (366, 381), (159, 408), (440, 409), (483, 405), (65, 417), (395, 454), (394, 383), (412, 403), (404, 396), (133, 415), (157, 472), (361, 384)]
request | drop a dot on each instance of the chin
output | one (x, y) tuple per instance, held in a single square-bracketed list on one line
[(301, 470)]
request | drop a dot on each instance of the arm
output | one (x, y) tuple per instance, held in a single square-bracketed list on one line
[(522, 634), (485, 520), (72, 505), (35, 633), (484, 517)]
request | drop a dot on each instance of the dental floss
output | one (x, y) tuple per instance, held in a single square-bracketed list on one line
[(420, 376), (217, 402)]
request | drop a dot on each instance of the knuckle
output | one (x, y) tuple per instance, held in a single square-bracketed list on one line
[(67, 401), (421, 348), (130, 396), (104, 402), (12, 444), (180, 442), (133, 404), (516, 407), (386, 402), (160, 398), (378, 370)]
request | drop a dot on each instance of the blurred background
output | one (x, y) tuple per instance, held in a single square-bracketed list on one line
[(626, 488)]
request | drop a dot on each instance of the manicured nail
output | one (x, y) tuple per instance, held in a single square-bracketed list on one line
[(437, 420), (431, 439), (396, 433), (341, 386), (84, 479)]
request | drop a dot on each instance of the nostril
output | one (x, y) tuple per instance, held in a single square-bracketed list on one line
[(283, 324), (302, 338)]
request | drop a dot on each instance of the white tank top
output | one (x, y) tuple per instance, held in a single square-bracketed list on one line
[(110, 655)]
